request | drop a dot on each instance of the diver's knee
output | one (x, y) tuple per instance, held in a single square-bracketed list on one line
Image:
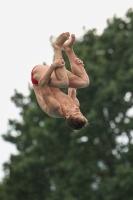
[(86, 83)]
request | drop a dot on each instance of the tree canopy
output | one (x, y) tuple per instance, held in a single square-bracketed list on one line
[(55, 162)]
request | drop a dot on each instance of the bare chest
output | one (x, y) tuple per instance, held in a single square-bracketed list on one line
[(62, 98)]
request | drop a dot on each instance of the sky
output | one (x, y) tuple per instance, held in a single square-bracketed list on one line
[(25, 30)]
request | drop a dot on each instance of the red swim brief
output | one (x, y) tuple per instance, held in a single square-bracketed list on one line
[(34, 81)]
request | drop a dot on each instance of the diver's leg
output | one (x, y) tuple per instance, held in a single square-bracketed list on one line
[(57, 45), (77, 65)]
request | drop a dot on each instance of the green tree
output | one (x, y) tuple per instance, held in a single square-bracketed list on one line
[(54, 162)]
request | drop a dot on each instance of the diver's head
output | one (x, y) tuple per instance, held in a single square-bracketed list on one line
[(74, 118)]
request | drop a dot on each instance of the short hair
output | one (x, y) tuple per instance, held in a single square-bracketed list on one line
[(76, 123)]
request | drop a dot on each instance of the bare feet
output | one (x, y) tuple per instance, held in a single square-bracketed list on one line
[(60, 40), (68, 45)]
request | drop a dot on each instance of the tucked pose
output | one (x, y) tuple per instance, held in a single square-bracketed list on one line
[(47, 80)]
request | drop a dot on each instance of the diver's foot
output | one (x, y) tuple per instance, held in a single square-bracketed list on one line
[(68, 44), (60, 40)]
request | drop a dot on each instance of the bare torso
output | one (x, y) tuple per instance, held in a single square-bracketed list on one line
[(59, 96)]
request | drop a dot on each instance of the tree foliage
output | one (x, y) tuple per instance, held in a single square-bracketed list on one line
[(54, 162)]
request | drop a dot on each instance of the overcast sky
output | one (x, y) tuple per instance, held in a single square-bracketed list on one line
[(25, 29)]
